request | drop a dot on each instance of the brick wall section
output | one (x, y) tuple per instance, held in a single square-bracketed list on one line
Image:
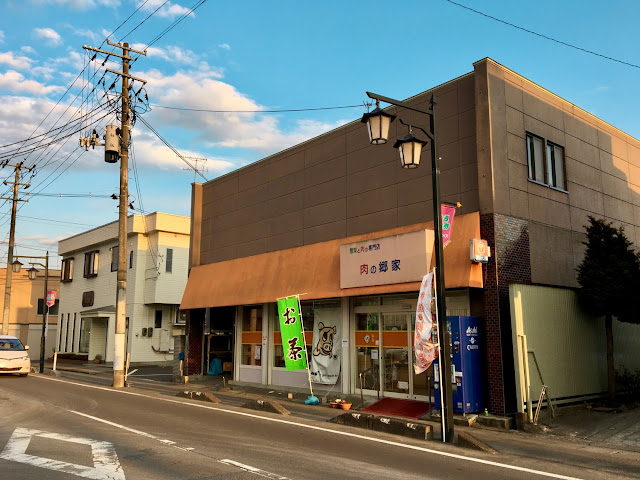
[(510, 262)]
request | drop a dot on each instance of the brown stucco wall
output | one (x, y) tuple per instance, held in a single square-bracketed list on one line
[(338, 185)]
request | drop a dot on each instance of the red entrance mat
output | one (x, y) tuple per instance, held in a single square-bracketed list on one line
[(399, 407)]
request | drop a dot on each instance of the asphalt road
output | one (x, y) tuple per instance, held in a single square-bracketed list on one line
[(64, 429)]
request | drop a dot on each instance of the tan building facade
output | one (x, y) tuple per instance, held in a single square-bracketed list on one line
[(26, 308), (527, 166)]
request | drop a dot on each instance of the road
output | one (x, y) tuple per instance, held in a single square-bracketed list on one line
[(64, 429)]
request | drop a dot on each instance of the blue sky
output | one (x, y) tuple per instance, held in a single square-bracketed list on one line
[(258, 55)]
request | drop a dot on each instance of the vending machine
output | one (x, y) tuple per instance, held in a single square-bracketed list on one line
[(466, 374)]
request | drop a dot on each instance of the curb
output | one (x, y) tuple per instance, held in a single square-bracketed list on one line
[(266, 406), (378, 423), (202, 396), (466, 440)]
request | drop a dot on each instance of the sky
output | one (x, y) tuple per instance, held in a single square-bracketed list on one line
[(256, 57)]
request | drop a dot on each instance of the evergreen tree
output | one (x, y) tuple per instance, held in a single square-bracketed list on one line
[(610, 279)]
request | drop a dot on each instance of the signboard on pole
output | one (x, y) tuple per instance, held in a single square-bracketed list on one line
[(295, 352), (448, 212), (51, 298)]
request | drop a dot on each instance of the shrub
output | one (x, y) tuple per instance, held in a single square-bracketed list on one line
[(628, 383)]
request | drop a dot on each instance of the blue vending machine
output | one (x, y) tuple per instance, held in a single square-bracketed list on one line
[(466, 366)]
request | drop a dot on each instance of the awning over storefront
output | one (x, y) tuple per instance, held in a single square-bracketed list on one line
[(314, 270)]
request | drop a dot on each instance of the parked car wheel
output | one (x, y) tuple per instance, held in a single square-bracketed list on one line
[(24, 374)]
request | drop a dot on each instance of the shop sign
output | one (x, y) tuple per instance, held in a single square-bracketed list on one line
[(479, 250), (448, 212), (293, 345), (387, 260)]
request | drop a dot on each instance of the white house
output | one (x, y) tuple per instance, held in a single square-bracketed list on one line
[(157, 260)]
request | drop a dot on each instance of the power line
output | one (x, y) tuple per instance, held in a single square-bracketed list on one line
[(169, 145), (195, 6), (254, 111), (542, 36)]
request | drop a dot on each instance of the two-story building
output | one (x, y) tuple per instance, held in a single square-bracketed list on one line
[(157, 261), (528, 168), (27, 306)]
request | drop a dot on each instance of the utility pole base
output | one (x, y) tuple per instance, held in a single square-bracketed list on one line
[(118, 379)]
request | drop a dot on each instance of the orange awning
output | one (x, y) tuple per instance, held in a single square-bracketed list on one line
[(314, 270)]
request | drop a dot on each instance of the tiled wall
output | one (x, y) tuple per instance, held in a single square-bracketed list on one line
[(339, 185)]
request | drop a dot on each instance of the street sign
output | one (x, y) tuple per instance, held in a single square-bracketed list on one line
[(51, 297)]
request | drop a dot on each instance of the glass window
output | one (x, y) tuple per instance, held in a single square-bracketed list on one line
[(91, 264), (252, 336), (114, 259), (11, 344), (535, 157), (85, 335), (66, 271), (158, 320), (555, 159), (53, 309), (308, 318), (169, 261), (131, 259)]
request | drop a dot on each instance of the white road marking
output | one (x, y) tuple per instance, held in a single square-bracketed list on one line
[(105, 460), (257, 471), (251, 469), (326, 430), (132, 372)]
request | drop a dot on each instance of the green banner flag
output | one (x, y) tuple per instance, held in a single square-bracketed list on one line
[(295, 355)]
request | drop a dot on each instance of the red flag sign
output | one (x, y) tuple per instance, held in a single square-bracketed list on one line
[(51, 297)]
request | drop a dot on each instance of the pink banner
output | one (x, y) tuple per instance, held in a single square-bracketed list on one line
[(448, 212), (51, 297), (423, 346)]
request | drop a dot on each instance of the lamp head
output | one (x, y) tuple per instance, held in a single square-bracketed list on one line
[(409, 147), (378, 122)]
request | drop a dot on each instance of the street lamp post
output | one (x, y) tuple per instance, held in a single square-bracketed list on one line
[(409, 147), (33, 273)]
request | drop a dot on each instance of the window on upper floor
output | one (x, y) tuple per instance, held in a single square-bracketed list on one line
[(91, 263), (169, 260), (66, 271), (114, 259), (53, 309), (546, 165), (131, 259)]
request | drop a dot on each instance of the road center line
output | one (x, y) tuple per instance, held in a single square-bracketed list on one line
[(327, 430)]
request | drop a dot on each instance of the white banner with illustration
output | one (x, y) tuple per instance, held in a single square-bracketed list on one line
[(423, 345), (325, 356)]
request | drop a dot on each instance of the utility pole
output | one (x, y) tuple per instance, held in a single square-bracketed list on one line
[(121, 290), (12, 233), (196, 169)]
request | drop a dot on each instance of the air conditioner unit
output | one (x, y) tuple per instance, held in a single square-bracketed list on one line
[(181, 317)]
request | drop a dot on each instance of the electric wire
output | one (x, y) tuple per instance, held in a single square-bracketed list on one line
[(155, 132), (543, 36), (254, 111), (195, 6)]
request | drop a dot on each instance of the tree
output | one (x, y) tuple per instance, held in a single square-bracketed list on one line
[(610, 279)]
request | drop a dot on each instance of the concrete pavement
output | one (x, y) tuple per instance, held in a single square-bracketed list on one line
[(575, 427)]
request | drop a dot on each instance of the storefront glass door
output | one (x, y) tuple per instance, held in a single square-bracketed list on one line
[(384, 351)]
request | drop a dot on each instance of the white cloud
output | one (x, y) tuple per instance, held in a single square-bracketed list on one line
[(82, 4), (51, 37), (28, 49), (13, 81), (169, 10), (91, 35), (20, 63), (171, 54), (225, 46), (1, 36), (203, 90)]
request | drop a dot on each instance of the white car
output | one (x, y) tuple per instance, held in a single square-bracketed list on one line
[(14, 357)]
